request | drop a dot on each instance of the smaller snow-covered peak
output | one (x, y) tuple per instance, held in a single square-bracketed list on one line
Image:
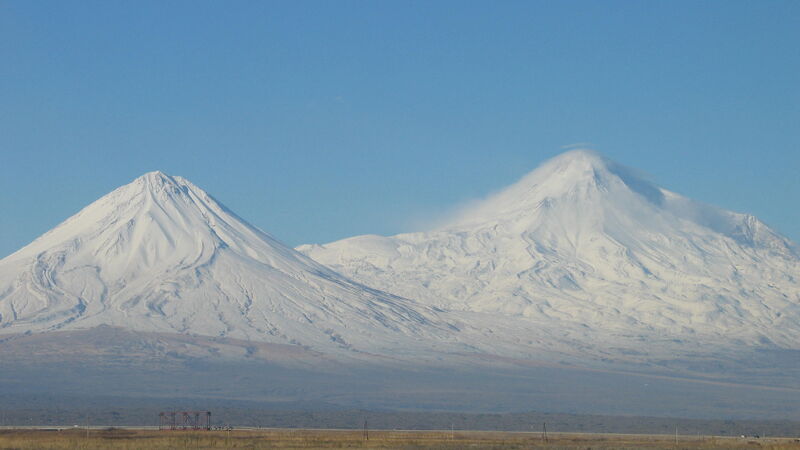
[(156, 178), (161, 254), (157, 181), (155, 174), (168, 212)]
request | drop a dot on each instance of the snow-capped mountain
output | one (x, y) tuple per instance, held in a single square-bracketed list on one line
[(161, 255), (585, 255), (582, 261), (582, 287)]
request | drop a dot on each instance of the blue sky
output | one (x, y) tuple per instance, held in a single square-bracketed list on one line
[(321, 120)]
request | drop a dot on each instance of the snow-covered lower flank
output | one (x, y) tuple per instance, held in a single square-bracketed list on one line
[(584, 255)]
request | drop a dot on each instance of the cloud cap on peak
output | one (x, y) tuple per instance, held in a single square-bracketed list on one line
[(580, 176)]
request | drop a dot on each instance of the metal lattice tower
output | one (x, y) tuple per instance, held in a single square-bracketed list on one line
[(184, 420)]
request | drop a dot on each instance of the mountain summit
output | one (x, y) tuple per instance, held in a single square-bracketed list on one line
[(574, 176), (582, 189), (161, 255), (586, 255)]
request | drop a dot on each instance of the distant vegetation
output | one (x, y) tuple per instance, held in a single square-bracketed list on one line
[(137, 439)]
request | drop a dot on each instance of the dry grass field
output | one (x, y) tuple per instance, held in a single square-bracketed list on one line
[(324, 439)]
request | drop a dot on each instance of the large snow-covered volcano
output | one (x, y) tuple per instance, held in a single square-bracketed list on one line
[(161, 255), (583, 254)]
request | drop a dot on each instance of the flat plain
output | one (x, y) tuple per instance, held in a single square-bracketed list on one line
[(129, 439)]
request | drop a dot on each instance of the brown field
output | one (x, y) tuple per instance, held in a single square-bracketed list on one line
[(324, 439)]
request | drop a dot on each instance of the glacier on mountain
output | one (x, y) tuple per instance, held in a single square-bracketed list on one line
[(584, 257)]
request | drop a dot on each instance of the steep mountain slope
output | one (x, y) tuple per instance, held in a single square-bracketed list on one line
[(583, 255), (161, 255)]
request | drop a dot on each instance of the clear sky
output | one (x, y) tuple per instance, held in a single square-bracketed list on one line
[(321, 120)]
